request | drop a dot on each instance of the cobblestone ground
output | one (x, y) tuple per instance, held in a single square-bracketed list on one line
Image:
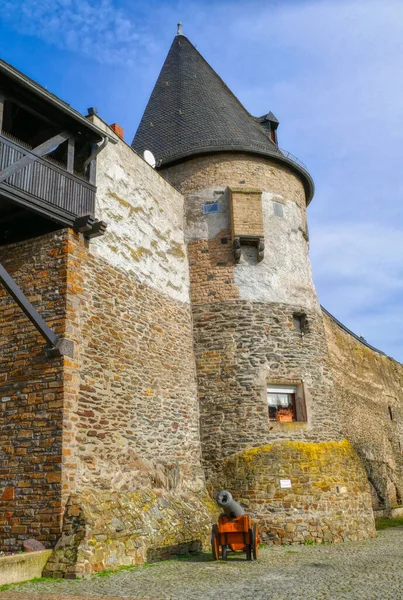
[(370, 570)]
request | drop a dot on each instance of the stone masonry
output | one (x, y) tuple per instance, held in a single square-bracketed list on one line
[(329, 490), (122, 416), (369, 396), (246, 339)]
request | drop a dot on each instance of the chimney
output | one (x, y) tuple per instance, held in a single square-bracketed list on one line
[(118, 130)]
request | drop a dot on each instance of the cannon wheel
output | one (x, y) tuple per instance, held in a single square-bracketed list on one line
[(215, 546), (255, 541), (248, 547)]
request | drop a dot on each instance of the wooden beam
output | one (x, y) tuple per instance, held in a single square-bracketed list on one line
[(70, 155), (59, 345), (92, 172), (1, 110), (32, 155), (23, 302)]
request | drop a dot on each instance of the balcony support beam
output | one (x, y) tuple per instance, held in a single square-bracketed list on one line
[(70, 155), (33, 155), (56, 346), (1, 110)]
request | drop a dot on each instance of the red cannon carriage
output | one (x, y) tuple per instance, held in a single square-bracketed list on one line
[(235, 531)]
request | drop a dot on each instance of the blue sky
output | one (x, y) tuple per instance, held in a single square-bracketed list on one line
[(330, 70)]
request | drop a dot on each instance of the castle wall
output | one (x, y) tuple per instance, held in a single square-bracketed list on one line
[(138, 478), (246, 339), (106, 450), (369, 397), (32, 392)]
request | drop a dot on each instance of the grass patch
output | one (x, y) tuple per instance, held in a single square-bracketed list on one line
[(385, 522), (8, 586)]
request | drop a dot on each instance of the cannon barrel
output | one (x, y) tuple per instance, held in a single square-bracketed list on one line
[(231, 508)]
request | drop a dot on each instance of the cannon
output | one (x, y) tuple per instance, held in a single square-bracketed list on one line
[(231, 508), (234, 531)]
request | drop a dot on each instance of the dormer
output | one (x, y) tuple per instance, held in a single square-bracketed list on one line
[(269, 123)]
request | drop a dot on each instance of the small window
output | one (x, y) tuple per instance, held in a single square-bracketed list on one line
[(214, 207), (300, 322), (278, 209), (390, 413), (282, 403), (285, 403)]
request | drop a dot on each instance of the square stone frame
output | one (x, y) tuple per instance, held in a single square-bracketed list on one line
[(303, 398)]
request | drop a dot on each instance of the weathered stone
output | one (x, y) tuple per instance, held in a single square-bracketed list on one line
[(32, 546)]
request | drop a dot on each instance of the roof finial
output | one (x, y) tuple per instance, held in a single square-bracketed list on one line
[(179, 32)]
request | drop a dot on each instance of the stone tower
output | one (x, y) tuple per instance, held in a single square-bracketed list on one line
[(269, 423)]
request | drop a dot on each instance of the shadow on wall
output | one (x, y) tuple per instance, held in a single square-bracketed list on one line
[(174, 551)]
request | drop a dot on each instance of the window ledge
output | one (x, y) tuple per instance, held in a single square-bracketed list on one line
[(287, 426)]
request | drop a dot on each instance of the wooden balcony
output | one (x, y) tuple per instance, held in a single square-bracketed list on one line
[(43, 185)]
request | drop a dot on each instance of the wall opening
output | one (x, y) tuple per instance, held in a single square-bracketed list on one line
[(300, 322), (286, 403)]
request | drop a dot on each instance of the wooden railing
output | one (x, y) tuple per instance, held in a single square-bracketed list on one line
[(44, 183)]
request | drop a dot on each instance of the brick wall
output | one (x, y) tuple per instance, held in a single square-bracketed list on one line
[(246, 212), (31, 394), (211, 264)]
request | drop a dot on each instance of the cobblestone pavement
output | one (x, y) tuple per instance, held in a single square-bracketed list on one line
[(370, 570)]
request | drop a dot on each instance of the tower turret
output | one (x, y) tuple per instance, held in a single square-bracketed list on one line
[(269, 425)]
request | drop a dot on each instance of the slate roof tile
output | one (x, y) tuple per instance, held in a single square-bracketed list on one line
[(191, 108)]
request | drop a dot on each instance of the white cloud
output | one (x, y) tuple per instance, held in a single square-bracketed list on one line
[(98, 29), (358, 269)]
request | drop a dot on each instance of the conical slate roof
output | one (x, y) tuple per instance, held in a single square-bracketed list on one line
[(191, 111)]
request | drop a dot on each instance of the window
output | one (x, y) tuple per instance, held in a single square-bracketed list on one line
[(278, 209), (286, 403), (300, 322), (214, 207)]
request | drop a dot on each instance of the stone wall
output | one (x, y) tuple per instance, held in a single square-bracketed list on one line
[(145, 220), (134, 416), (328, 499), (242, 347), (285, 273), (104, 529), (137, 417), (32, 389), (120, 418), (369, 389), (243, 313)]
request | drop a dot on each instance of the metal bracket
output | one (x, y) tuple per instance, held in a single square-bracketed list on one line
[(57, 346)]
